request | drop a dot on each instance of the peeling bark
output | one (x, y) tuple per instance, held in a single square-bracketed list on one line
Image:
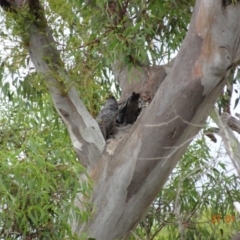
[(143, 80), (232, 122)]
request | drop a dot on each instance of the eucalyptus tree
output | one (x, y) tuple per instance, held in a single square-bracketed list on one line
[(76, 46)]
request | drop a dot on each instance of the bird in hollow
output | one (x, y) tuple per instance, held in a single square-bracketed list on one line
[(107, 117), (129, 110)]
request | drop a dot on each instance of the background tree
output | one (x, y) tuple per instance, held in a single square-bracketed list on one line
[(89, 41)]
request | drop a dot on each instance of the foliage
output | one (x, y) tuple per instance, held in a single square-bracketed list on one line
[(39, 172), (196, 202), (90, 38)]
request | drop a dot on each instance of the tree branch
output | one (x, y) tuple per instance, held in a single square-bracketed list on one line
[(231, 121), (145, 157), (230, 141), (143, 80), (84, 131)]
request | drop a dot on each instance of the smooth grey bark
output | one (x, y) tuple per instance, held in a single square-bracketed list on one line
[(130, 170), (128, 180), (83, 130)]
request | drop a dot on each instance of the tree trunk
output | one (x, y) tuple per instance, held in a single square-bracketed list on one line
[(127, 181), (129, 171)]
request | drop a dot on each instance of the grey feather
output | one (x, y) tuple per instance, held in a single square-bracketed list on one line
[(107, 117)]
